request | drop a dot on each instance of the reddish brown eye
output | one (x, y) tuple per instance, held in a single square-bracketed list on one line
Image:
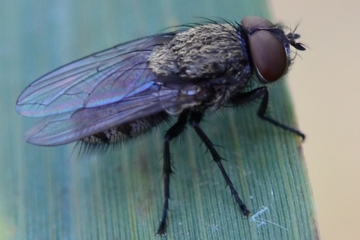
[(268, 53)]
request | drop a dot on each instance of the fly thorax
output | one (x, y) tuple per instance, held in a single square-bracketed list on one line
[(201, 52), (182, 97)]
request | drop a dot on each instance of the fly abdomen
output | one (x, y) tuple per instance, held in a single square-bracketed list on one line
[(128, 130)]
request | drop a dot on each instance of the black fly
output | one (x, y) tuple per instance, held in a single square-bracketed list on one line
[(125, 91)]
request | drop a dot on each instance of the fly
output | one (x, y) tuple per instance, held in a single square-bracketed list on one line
[(122, 92)]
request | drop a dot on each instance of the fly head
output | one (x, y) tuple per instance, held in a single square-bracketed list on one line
[(269, 48)]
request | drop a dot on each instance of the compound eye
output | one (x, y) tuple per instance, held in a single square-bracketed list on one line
[(267, 52)]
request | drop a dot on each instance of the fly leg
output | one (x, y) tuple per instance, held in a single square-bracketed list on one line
[(262, 112), (172, 133), (262, 92), (194, 121)]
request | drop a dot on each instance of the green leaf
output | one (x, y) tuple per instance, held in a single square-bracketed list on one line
[(53, 193)]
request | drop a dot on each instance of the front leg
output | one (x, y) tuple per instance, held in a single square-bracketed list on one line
[(262, 92)]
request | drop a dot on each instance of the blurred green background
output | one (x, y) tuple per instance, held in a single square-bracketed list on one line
[(52, 193)]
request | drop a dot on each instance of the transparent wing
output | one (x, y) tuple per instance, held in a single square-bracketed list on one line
[(68, 127), (96, 80)]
